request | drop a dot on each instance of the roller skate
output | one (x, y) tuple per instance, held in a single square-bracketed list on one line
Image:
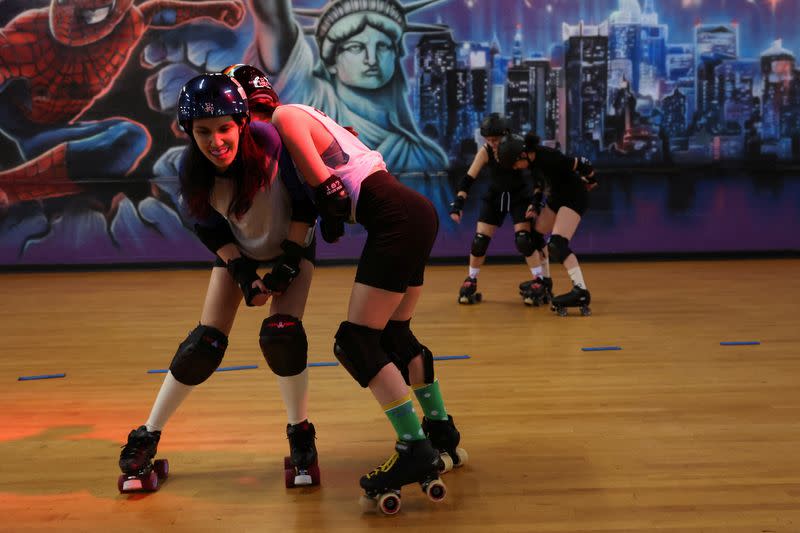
[(445, 437), (469, 292), (577, 297), (139, 472), (413, 462), (301, 467), (536, 292)]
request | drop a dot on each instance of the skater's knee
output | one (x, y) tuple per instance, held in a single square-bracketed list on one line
[(284, 344), (559, 248), (358, 349), (524, 243), (480, 243), (399, 342), (199, 355)]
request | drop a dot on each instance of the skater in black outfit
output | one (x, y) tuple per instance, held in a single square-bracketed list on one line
[(569, 178), (508, 194), (376, 344), (253, 211)]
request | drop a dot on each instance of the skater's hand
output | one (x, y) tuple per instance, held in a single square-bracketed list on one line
[(457, 208), (589, 182), (262, 296), (531, 212)]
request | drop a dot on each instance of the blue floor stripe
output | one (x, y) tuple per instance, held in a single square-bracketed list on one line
[(449, 357), (739, 343), (41, 376), (324, 363), (601, 348), (240, 367)]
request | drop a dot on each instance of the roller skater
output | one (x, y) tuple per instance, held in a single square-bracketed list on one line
[(570, 178), (508, 194), (252, 210), (376, 344)]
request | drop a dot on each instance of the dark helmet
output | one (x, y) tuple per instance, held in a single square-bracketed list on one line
[(260, 93), (532, 141), (211, 95), (494, 126), (509, 150)]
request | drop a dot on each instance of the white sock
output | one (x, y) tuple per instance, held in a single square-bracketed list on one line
[(546, 268), (169, 398), (294, 390), (576, 276), (473, 272), (537, 271)]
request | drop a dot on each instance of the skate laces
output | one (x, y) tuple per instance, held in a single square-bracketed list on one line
[(386, 466)]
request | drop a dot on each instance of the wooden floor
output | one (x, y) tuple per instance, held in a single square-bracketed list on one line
[(673, 433)]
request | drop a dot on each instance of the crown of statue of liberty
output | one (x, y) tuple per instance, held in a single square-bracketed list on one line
[(392, 9)]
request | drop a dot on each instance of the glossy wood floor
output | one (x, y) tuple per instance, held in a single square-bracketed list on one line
[(673, 433)]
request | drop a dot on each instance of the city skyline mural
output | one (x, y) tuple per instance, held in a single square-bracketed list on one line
[(650, 90)]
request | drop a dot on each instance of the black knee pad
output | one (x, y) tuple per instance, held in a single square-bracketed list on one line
[(558, 248), (480, 243), (402, 346), (359, 350), (199, 355), (284, 344), (524, 243), (537, 239)]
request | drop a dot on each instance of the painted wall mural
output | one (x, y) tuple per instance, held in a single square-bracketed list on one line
[(691, 109)]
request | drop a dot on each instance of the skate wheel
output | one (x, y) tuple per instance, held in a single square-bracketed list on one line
[(389, 503), (562, 311), (161, 466), (463, 456), (436, 490), (287, 463), (445, 463), (463, 300), (585, 311), (478, 297), (121, 482)]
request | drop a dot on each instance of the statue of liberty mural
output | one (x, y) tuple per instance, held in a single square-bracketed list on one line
[(357, 78)]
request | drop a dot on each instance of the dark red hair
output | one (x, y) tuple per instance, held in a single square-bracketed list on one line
[(197, 175)]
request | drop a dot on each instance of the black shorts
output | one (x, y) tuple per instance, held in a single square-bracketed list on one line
[(401, 228), (495, 204), (568, 191), (309, 252)]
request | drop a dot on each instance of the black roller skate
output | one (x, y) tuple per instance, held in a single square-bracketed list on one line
[(139, 472), (469, 292), (413, 462), (445, 437), (536, 292), (577, 297), (301, 467)]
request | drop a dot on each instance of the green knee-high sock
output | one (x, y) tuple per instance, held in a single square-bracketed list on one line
[(404, 419), (430, 398)]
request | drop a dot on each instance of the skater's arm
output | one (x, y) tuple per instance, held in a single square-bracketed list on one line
[(457, 205)]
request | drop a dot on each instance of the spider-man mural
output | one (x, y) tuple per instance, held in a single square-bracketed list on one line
[(54, 63)]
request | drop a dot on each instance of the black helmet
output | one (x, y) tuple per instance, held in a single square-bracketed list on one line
[(532, 141), (260, 93), (211, 95), (509, 151), (494, 126)]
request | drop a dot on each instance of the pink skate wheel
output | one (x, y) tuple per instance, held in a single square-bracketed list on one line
[(161, 466), (389, 503)]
